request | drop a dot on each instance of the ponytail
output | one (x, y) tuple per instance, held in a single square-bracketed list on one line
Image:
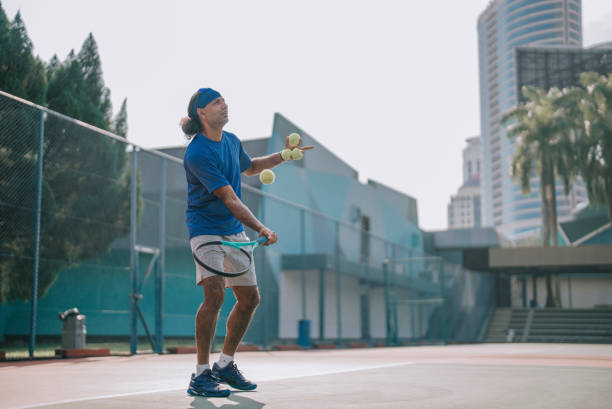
[(190, 125)]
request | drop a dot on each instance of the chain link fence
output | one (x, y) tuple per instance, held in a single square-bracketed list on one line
[(89, 220)]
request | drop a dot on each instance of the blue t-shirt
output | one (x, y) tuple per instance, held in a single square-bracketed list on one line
[(210, 165)]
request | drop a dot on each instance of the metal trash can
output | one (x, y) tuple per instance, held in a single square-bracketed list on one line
[(304, 333), (74, 330)]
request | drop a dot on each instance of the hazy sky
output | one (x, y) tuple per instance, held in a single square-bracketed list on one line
[(391, 87)]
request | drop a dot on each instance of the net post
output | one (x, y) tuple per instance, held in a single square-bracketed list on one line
[(39, 176)]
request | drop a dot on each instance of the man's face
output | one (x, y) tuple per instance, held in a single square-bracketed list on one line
[(215, 113)]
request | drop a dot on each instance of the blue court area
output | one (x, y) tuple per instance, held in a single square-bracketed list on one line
[(458, 376)]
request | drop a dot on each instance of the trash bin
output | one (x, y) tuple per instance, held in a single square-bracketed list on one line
[(304, 333), (73, 330)]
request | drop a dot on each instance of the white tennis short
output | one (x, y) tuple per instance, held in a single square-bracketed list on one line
[(216, 259)]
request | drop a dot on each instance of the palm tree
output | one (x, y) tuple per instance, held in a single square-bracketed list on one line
[(594, 146), (543, 144)]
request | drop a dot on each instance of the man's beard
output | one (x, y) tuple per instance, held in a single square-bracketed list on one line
[(221, 122)]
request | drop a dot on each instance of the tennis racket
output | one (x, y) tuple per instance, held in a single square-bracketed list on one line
[(227, 258)]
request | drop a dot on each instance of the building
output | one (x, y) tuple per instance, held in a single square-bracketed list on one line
[(546, 67), (464, 210), (502, 27)]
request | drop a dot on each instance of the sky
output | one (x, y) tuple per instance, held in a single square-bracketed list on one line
[(389, 86)]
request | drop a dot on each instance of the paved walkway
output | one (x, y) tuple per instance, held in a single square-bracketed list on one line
[(483, 376)]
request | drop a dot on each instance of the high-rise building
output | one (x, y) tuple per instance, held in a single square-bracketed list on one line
[(472, 159), (503, 26), (464, 210)]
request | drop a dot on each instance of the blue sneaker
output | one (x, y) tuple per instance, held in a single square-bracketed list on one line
[(207, 385), (233, 377)]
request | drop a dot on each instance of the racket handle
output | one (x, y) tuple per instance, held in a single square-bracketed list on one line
[(262, 240)]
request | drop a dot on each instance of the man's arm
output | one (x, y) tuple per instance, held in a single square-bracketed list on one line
[(263, 162), (241, 212), (268, 162)]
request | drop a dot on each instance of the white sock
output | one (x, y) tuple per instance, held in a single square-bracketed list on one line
[(201, 368), (224, 360)]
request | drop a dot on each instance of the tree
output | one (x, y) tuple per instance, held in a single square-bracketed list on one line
[(21, 73), (85, 201), (543, 146), (594, 146), (120, 126), (87, 172)]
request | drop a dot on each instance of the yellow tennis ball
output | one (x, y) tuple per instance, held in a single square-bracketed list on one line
[(294, 139), (297, 154), (286, 154), (267, 177)]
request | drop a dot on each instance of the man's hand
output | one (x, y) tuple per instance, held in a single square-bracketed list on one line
[(289, 146), (272, 237)]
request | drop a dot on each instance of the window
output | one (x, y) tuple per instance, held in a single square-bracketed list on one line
[(541, 17), (365, 239), (546, 26), (574, 7)]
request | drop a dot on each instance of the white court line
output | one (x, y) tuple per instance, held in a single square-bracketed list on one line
[(119, 395), (519, 351)]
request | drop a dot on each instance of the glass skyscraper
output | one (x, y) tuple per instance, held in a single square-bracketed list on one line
[(503, 26)]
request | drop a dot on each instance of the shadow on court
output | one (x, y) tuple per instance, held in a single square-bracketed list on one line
[(237, 400)]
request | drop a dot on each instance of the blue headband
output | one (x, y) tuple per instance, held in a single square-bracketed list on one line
[(205, 97)]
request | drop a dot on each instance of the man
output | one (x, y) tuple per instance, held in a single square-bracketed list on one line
[(213, 163)]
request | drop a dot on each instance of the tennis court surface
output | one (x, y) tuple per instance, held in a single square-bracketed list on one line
[(458, 376)]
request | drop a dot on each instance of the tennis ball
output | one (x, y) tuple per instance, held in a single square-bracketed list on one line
[(294, 139), (267, 177), (286, 154), (297, 154)]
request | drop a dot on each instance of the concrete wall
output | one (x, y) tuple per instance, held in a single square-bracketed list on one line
[(413, 319), (290, 300)]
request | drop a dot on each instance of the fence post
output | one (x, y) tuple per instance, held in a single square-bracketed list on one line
[(39, 175), (161, 263), (338, 299), (443, 295), (394, 310), (368, 302), (133, 252), (322, 304), (265, 293), (303, 261), (387, 302)]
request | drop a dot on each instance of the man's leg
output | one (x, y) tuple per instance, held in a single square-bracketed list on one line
[(206, 317), (247, 300), (203, 383)]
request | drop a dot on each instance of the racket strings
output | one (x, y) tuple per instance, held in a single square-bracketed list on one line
[(223, 259), (235, 260)]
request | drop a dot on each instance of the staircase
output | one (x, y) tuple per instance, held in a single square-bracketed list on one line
[(498, 325), (551, 325)]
